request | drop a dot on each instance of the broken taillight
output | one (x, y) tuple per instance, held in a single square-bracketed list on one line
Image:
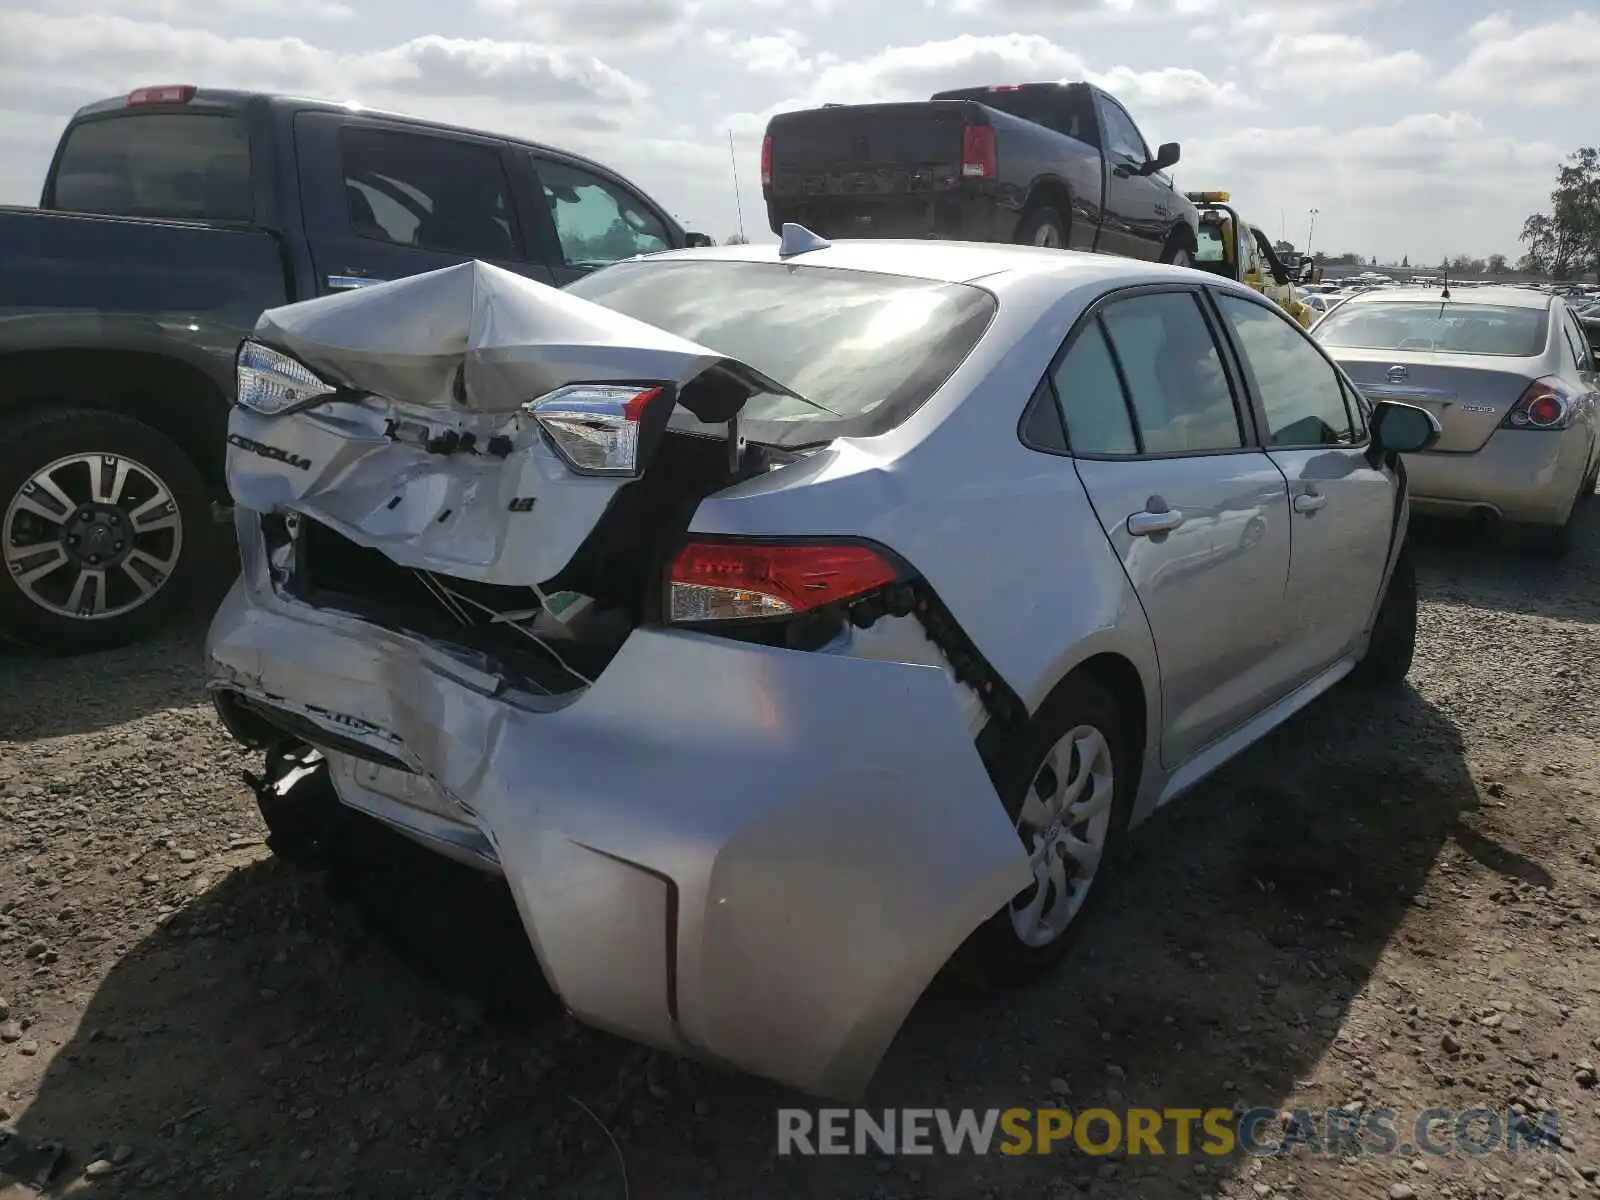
[(735, 580), (595, 427)]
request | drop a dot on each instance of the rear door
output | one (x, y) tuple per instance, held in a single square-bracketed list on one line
[(1136, 205), (387, 200), (1198, 514), (1342, 508), (593, 220)]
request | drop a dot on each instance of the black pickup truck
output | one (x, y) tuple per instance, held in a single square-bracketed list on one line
[(170, 219), (1047, 164)]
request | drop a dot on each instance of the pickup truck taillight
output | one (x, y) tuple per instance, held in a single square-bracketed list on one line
[(766, 161), (977, 153)]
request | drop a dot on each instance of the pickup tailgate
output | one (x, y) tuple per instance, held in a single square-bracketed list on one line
[(206, 283), (868, 151)]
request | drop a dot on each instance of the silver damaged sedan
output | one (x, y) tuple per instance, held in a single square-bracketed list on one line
[(780, 622), (1511, 376)]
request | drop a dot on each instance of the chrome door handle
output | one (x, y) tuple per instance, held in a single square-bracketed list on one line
[(340, 283), (1143, 524), (1308, 502)]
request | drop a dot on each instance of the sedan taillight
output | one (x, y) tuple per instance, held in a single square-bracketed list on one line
[(1546, 404), (737, 580)]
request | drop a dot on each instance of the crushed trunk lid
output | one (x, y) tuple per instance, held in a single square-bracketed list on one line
[(429, 442)]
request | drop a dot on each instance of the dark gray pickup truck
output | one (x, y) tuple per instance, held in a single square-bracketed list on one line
[(1049, 164), (170, 219)]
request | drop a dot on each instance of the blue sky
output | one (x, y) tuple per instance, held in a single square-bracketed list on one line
[(1414, 127)]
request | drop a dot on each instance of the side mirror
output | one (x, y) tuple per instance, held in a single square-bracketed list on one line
[(1167, 155), (693, 240), (1403, 428), (1307, 270)]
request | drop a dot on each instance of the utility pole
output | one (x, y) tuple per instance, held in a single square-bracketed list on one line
[(1311, 228), (738, 200)]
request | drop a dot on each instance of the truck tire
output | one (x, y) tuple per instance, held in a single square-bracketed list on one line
[(1042, 226), (105, 530), (1176, 253)]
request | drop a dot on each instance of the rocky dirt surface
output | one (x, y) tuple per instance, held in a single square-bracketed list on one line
[(1394, 902)]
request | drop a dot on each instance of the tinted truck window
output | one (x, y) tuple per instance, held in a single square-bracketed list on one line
[(190, 166)]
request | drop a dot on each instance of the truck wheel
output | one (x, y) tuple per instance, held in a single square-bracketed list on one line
[(1177, 254), (1043, 226), (105, 530)]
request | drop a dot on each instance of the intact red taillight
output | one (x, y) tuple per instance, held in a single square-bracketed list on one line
[(977, 153), (766, 161), (1544, 405), (165, 93), (742, 581)]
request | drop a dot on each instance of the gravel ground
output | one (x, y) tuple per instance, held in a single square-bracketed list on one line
[(1393, 902)]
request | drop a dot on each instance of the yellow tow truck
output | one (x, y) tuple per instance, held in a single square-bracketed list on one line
[(1232, 247)]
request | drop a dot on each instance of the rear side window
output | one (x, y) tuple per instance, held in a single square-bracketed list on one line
[(433, 193), (869, 349), (187, 166), (1090, 394), (1178, 386)]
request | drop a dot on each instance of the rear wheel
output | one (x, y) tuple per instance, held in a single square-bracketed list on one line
[(1068, 791), (104, 529), (1043, 226)]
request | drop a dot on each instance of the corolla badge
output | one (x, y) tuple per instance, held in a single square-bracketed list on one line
[(1398, 373)]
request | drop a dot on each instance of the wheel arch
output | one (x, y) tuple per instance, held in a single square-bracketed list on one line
[(175, 398), (1048, 191)]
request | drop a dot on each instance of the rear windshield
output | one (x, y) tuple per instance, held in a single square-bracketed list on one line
[(1210, 241), (191, 166), (1437, 325), (871, 348)]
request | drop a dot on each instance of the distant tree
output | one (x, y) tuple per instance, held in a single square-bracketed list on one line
[(1281, 248), (1566, 240), (1497, 265), (736, 239), (1405, 262), (1374, 260), (1529, 265)]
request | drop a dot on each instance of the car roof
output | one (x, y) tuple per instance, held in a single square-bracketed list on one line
[(951, 262), (1499, 294)]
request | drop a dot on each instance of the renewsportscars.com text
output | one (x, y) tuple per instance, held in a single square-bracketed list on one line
[(1163, 1131)]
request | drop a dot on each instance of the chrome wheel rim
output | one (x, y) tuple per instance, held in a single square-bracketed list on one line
[(1048, 236), (1064, 823), (92, 536)]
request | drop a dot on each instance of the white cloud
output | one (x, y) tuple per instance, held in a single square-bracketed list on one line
[(916, 72), (608, 23), (288, 11), (1553, 64), (768, 55), (1340, 62), (1420, 185), (107, 55)]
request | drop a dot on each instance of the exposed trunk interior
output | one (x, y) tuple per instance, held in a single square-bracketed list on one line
[(618, 568)]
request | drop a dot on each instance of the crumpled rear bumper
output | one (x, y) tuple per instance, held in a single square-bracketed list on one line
[(745, 854)]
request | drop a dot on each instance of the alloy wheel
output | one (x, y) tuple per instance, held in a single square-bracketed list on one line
[(1064, 824), (1047, 235), (92, 536)]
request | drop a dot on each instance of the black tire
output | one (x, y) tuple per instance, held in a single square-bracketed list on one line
[(299, 807), (1388, 658), (996, 953), (1042, 220), (1176, 253), (31, 442), (1550, 541)]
